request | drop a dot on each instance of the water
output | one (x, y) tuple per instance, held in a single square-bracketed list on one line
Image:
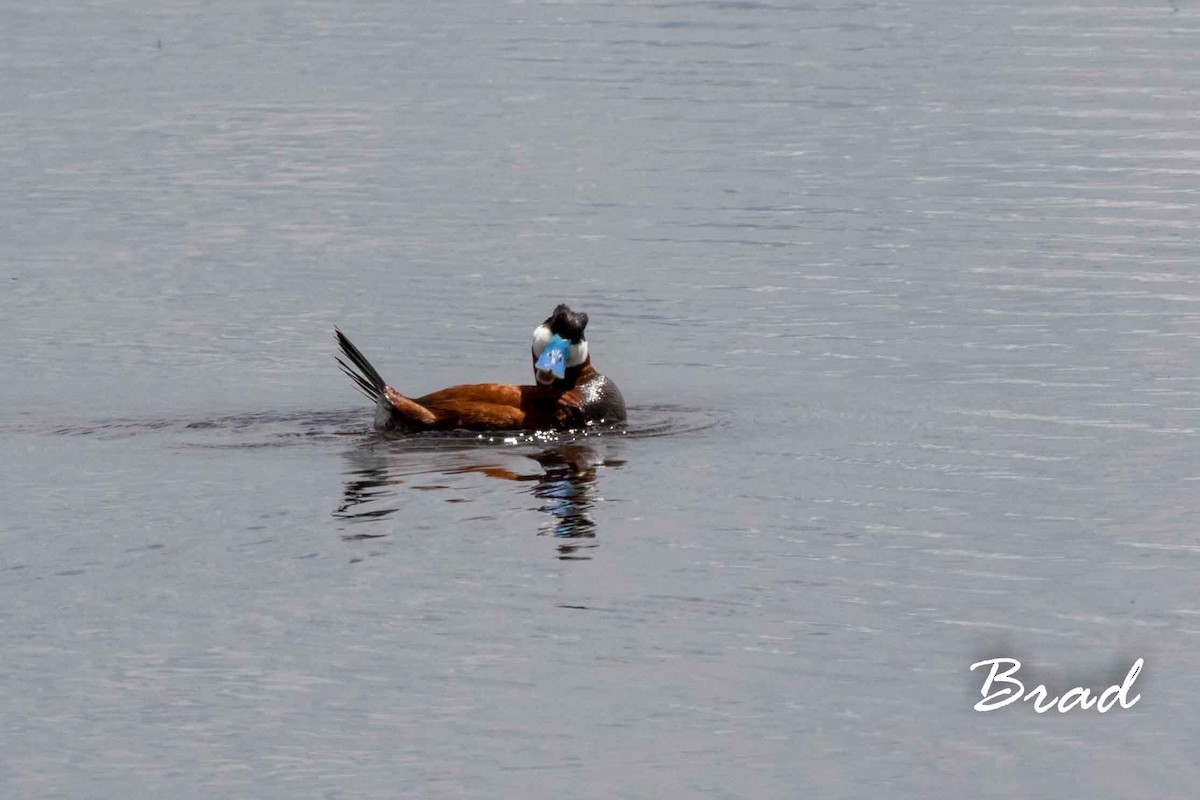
[(903, 299)]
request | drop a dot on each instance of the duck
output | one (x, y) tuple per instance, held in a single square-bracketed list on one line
[(568, 392)]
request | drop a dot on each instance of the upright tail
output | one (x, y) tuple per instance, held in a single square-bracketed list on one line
[(368, 379), (393, 411)]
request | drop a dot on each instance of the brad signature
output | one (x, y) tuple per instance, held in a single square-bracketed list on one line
[(1011, 690)]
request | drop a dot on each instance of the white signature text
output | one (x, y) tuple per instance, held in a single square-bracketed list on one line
[(1001, 688)]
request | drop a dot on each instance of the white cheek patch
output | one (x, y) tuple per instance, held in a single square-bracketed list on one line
[(577, 354), (541, 338)]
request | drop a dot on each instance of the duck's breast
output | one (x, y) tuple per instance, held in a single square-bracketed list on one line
[(602, 400)]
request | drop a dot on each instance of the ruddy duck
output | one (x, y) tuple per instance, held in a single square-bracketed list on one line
[(568, 392)]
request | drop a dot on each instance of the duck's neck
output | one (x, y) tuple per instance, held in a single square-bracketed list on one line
[(577, 375)]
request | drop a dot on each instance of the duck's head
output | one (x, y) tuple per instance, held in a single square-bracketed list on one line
[(560, 350)]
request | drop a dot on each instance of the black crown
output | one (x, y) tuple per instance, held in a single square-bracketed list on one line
[(567, 323)]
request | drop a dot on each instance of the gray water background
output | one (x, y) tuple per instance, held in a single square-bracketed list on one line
[(904, 299)]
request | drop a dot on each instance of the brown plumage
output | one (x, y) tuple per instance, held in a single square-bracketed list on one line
[(477, 406), (580, 397)]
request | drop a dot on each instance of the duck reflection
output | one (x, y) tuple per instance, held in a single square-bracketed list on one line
[(566, 483), (366, 484)]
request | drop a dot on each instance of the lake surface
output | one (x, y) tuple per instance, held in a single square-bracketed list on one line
[(904, 299)]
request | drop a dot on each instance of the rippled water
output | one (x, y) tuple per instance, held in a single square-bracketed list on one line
[(903, 298)]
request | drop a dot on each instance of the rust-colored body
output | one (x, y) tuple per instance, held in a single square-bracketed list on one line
[(487, 406), (580, 397)]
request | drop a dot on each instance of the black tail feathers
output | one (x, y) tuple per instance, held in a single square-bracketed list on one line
[(368, 380)]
